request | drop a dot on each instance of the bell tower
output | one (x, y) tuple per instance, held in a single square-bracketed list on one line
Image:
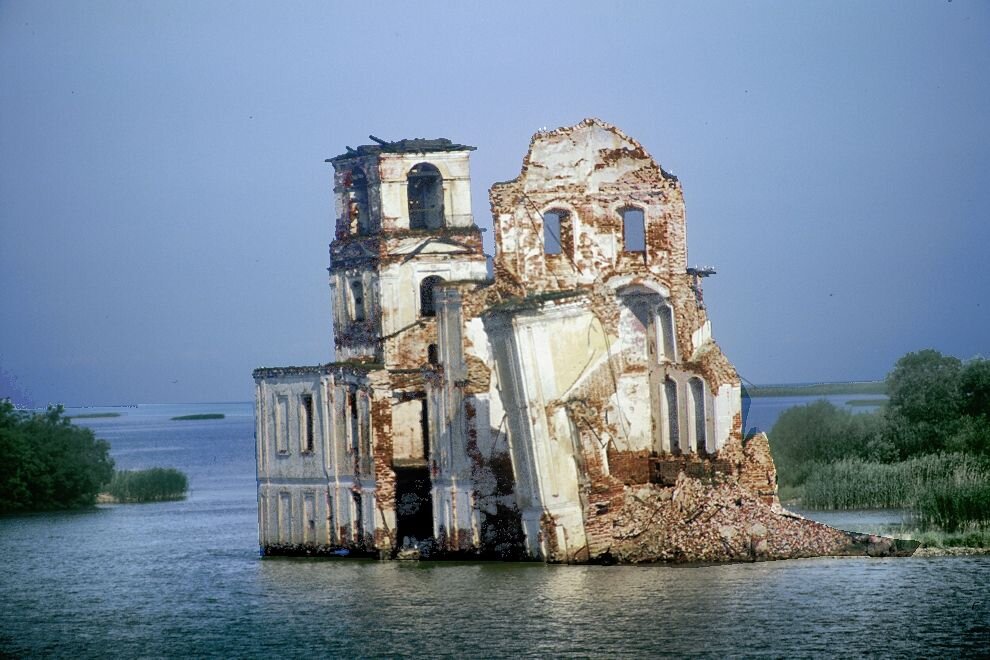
[(403, 225)]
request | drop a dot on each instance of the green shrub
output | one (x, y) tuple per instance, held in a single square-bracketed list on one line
[(152, 485)]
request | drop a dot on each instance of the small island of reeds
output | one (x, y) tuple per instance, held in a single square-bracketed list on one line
[(199, 416), (151, 485), (93, 415)]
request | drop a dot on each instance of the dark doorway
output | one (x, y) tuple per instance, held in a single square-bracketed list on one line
[(413, 504)]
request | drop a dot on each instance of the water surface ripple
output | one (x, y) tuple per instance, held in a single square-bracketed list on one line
[(184, 579)]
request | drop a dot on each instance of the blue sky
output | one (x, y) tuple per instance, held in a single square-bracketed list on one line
[(165, 209)]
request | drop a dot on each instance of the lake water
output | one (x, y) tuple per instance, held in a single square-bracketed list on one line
[(184, 579)]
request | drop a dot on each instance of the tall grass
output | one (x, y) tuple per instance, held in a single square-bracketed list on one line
[(947, 491), (152, 485)]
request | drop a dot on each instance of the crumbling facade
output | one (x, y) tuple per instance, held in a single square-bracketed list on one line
[(571, 408)]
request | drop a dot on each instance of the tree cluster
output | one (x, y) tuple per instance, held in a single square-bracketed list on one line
[(47, 463), (937, 404)]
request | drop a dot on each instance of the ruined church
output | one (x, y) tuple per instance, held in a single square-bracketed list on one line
[(563, 401)]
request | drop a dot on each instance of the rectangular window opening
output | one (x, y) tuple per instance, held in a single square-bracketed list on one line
[(307, 422), (357, 291), (551, 232), (633, 230)]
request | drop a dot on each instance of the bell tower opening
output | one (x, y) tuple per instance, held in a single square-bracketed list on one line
[(360, 220), (425, 192)]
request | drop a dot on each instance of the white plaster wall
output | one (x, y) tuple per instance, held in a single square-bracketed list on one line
[(570, 159), (542, 444), (701, 336), (631, 410), (407, 429), (727, 404), (400, 282)]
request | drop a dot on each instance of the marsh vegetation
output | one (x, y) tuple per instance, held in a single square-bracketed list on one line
[(152, 485)]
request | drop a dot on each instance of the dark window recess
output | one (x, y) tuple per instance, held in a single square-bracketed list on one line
[(357, 291), (358, 518), (431, 354), (307, 422), (698, 399), (352, 402), (427, 304), (425, 193), (424, 420), (551, 232), (633, 230), (673, 427)]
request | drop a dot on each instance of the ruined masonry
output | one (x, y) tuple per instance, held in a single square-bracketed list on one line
[(572, 408)]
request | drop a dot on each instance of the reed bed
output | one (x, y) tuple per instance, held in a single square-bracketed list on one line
[(945, 491), (152, 485)]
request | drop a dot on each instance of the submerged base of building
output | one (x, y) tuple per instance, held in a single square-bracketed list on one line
[(723, 508)]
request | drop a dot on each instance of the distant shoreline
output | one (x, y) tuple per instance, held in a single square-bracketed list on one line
[(817, 389)]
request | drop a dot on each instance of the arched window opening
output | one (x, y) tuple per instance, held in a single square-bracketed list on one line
[(427, 304), (673, 428), (431, 354), (358, 217), (698, 411), (357, 297), (557, 232), (425, 192), (665, 317), (633, 230)]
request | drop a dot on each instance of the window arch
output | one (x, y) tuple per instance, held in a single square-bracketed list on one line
[(633, 229), (425, 193), (359, 221), (427, 301), (557, 232)]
